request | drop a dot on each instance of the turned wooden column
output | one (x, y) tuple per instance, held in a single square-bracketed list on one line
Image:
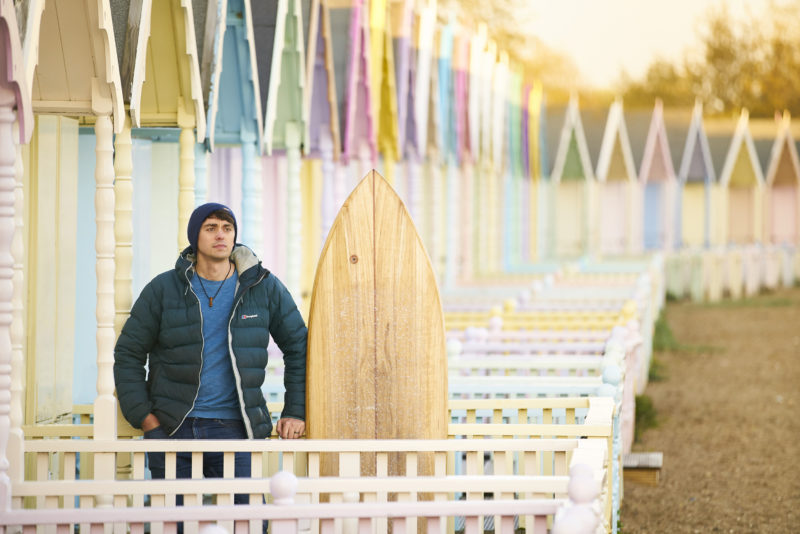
[(8, 153)]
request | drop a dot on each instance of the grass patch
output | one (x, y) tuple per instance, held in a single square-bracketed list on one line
[(665, 340), (646, 416), (755, 302), (657, 371)]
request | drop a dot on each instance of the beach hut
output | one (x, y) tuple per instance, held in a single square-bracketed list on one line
[(235, 121), (658, 182), (619, 207), (512, 177), (323, 114), (16, 128), (162, 68), (571, 185), (350, 36), (459, 184), (741, 187), (72, 72), (782, 198), (278, 27), (383, 84), (696, 182)]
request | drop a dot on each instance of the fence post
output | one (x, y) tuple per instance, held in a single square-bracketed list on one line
[(283, 487), (579, 515)]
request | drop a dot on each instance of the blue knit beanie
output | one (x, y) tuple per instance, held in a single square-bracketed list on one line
[(200, 214)]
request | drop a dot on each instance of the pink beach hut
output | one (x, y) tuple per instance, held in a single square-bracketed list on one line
[(618, 207), (782, 195), (741, 189)]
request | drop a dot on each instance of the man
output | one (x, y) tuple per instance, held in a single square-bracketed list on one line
[(190, 360)]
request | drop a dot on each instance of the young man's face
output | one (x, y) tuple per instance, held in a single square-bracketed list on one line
[(215, 240)]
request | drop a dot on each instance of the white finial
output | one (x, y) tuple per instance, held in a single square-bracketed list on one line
[(283, 486)]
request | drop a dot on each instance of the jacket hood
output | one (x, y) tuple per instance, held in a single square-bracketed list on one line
[(247, 264)]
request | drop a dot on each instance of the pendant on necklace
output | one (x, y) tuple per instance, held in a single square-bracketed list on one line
[(210, 302)]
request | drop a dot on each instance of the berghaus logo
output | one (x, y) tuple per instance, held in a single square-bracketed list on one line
[(245, 316)]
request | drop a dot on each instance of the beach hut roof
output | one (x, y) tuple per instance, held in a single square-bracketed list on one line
[(572, 145), (71, 63), (656, 161), (638, 122), (321, 100), (676, 124), (282, 70), (784, 166), (615, 160), (697, 161), (741, 163)]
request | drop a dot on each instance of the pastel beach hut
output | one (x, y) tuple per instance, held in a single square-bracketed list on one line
[(235, 122), (782, 194), (350, 37), (741, 188), (280, 55), (513, 176), (696, 182), (70, 68), (161, 69), (619, 208), (459, 175), (571, 184), (658, 182), (321, 102)]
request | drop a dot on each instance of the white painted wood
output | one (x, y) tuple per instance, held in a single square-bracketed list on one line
[(123, 226), (15, 445), (8, 155)]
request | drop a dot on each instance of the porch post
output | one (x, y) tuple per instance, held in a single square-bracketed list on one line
[(7, 183), (200, 173), (16, 439), (186, 196), (105, 407), (123, 225)]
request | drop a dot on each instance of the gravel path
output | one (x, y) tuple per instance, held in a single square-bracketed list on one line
[(728, 423)]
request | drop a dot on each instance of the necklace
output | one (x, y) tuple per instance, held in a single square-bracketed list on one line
[(211, 299)]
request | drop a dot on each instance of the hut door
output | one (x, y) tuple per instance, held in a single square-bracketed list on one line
[(613, 217), (654, 227), (570, 213), (740, 215), (783, 215)]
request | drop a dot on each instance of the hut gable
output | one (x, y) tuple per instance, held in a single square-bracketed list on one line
[(166, 89), (572, 160), (386, 100), (321, 97), (656, 165), (285, 124), (742, 168), (76, 46), (615, 160), (696, 163), (234, 114), (784, 166)]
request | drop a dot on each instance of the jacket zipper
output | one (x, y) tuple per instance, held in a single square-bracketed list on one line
[(248, 427), (202, 349)]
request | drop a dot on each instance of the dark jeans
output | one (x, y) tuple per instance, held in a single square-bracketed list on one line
[(201, 428)]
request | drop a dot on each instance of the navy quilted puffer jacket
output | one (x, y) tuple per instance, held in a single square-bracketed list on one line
[(164, 330)]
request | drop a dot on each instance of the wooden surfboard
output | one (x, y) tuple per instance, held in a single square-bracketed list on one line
[(377, 365)]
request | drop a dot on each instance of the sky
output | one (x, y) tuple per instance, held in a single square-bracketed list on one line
[(605, 37)]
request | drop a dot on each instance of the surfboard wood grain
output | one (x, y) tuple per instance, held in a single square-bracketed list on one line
[(377, 364)]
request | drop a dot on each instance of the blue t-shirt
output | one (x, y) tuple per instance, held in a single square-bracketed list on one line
[(217, 397)]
